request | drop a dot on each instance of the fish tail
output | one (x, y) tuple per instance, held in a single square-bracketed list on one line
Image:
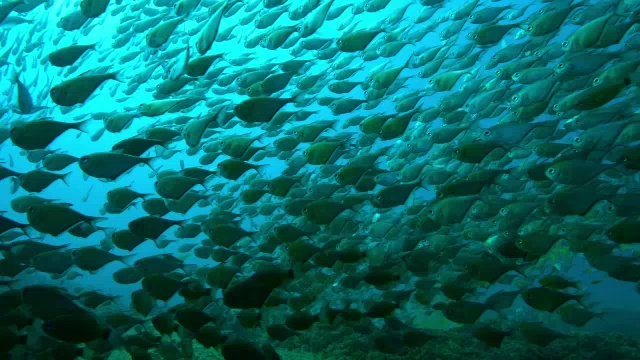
[(115, 76), (13, 78), (93, 222), (65, 177), (298, 99), (147, 161), (15, 185), (127, 260), (260, 168), (580, 300), (24, 229), (189, 269), (98, 134), (82, 126)]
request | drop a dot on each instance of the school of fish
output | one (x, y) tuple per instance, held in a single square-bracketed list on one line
[(305, 167)]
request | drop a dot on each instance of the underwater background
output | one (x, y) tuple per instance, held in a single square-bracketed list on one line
[(383, 179)]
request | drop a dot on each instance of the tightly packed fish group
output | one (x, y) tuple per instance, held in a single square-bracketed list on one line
[(312, 165)]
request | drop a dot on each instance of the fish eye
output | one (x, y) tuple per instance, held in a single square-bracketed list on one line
[(625, 159), (495, 57), (565, 43), (560, 65), (552, 201), (577, 139), (475, 36), (486, 133), (529, 28), (12, 131), (556, 107), (431, 81), (431, 211), (611, 208), (504, 211), (551, 171), (499, 72), (514, 98), (537, 54), (84, 159), (596, 81)]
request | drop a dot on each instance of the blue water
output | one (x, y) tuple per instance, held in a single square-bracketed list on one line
[(31, 42)]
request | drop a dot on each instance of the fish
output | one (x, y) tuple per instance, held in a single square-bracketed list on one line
[(241, 177)]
